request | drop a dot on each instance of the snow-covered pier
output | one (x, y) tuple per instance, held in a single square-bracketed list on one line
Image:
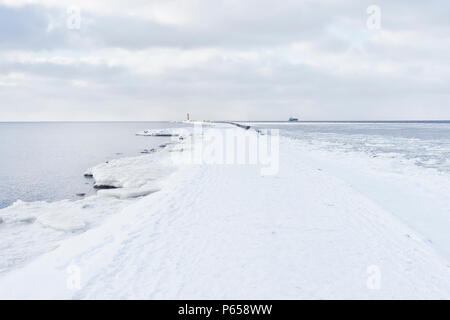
[(225, 231)]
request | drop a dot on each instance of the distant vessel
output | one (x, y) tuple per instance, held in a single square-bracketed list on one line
[(293, 119)]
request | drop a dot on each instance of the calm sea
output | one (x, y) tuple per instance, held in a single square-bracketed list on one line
[(46, 160)]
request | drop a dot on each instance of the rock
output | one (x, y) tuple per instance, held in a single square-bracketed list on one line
[(101, 187), (88, 175), (148, 151), (81, 194)]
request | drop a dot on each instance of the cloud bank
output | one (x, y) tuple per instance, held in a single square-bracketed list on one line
[(223, 59)]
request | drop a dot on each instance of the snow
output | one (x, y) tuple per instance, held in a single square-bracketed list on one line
[(327, 225), (30, 229), (200, 122), (169, 132), (417, 196), (133, 172), (127, 193)]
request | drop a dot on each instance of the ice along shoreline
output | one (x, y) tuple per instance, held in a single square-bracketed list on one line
[(221, 231), (29, 229)]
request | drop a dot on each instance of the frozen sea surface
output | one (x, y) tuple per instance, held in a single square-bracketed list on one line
[(426, 143), (45, 161)]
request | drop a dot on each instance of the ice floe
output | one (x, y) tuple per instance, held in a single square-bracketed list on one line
[(133, 172)]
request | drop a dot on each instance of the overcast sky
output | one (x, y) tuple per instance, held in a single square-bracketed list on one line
[(224, 59)]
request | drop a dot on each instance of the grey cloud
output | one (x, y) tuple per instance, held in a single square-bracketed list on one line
[(269, 24), (232, 89)]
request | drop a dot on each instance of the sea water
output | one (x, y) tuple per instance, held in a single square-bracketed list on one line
[(45, 161)]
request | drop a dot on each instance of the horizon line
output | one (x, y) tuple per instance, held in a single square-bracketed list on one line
[(293, 122)]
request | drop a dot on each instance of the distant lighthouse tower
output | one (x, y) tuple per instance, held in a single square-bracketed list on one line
[(188, 116)]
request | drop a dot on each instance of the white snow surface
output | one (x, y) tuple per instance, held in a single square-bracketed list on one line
[(316, 230), (136, 172), (30, 229), (159, 132)]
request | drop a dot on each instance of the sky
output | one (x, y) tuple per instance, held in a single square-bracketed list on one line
[(69, 60)]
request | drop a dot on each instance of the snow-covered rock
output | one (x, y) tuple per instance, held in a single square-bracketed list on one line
[(126, 193), (133, 172), (158, 132)]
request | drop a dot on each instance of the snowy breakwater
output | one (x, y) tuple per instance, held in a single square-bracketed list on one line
[(32, 228)]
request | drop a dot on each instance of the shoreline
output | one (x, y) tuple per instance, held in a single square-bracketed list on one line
[(221, 231), (46, 161), (116, 185)]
